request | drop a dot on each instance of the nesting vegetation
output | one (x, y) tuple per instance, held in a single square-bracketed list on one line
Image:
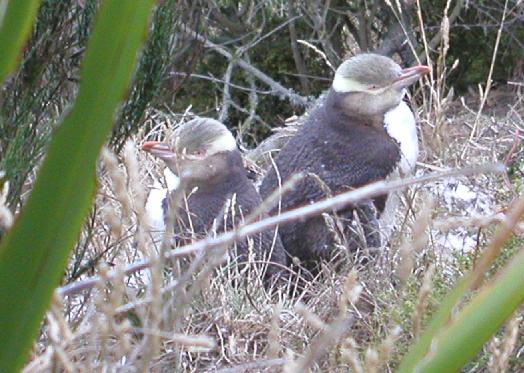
[(130, 301)]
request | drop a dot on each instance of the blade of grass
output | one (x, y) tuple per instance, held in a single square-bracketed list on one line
[(16, 19), (34, 253), (442, 317), (477, 322)]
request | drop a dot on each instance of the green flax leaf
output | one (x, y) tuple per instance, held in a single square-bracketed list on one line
[(443, 317), (34, 253), (16, 19), (460, 340)]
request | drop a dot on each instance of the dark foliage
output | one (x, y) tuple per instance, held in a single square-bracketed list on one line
[(178, 69), (37, 94), (166, 46)]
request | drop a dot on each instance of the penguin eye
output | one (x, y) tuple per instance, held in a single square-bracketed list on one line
[(198, 154), (194, 155), (374, 86)]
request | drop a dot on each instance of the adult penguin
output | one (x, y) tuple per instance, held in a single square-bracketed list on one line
[(361, 133), (218, 193)]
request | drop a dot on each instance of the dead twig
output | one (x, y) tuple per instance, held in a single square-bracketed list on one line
[(277, 88), (326, 205), (255, 365), (485, 93)]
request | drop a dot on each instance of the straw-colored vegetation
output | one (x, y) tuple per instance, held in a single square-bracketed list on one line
[(130, 302)]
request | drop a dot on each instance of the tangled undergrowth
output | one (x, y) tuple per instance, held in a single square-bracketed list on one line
[(189, 314), (122, 307)]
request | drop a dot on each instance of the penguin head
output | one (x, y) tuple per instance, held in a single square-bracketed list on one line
[(370, 84), (198, 153)]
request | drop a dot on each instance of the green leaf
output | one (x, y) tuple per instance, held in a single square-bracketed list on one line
[(461, 340), (442, 319), (16, 18), (34, 253)]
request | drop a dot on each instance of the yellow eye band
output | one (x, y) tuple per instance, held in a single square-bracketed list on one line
[(345, 85), (226, 142)]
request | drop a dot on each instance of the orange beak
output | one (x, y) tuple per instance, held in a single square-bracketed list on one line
[(159, 149), (410, 75)]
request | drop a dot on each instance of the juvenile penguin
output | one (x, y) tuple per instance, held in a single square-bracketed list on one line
[(363, 132), (218, 193)]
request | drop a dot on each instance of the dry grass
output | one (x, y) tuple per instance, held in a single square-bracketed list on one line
[(180, 317), (200, 314)]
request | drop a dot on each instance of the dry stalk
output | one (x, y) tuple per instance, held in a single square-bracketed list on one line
[(349, 354), (64, 332), (351, 291), (273, 350), (100, 333), (424, 38), (501, 350), (371, 361), (320, 345), (111, 338), (388, 345), (119, 329), (440, 100), (319, 52), (408, 250), (422, 300), (255, 366), (59, 337), (196, 342), (274, 199), (485, 92), (397, 12), (136, 190), (310, 318), (329, 204), (61, 360), (110, 216), (476, 221), (118, 181), (496, 244), (137, 194), (330, 333), (41, 363), (146, 300), (150, 345)]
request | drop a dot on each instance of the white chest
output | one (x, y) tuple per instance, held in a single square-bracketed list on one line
[(154, 209), (400, 124)]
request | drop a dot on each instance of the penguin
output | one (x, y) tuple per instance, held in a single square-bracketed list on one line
[(362, 132), (218, 193)]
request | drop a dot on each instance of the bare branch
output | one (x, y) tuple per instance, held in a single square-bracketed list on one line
[(222, 81), (436, 39), (252, 44), (321, 344), (488, 81), (253, 98), (258, 365), (226, 97), (399, 34), (297, 56), (326, 205), (278, 88)]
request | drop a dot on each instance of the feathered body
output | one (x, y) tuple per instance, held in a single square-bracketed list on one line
[(358, 135), (214, 191), (223, 203), (344, 153)]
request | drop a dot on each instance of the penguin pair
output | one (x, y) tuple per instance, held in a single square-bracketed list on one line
[(362, 132)]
